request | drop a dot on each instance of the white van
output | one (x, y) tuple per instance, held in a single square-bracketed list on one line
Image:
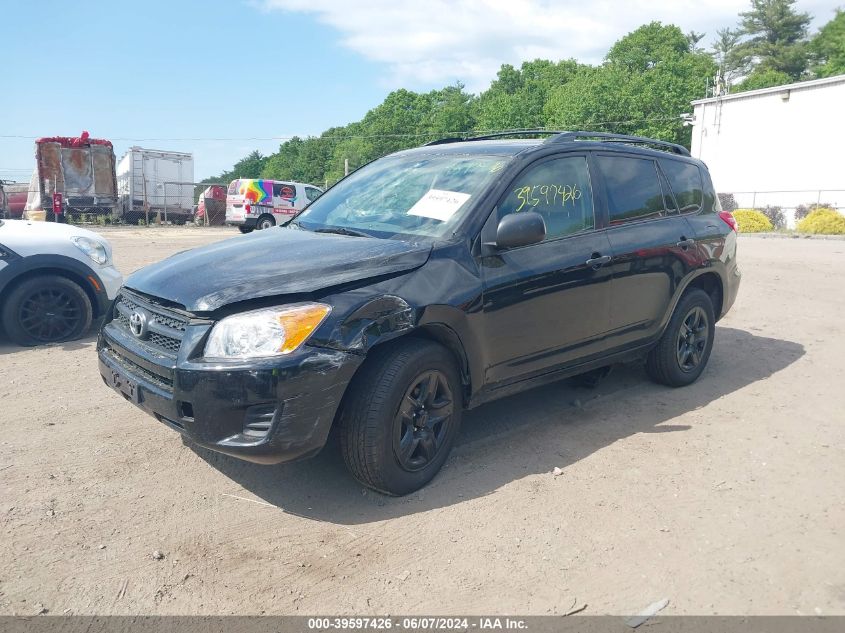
[(256, 203)]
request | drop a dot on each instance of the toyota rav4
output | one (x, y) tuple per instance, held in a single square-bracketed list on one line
[(427, 283)]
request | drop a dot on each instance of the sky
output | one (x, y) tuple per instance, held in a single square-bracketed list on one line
[(220, 78)]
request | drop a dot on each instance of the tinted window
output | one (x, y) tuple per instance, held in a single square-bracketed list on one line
[(312, 194), (233, 187), (668, 200), (685, 180), (559, 190), (633, 190)]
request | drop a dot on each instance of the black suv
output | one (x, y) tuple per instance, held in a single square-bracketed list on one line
[(425, 283)]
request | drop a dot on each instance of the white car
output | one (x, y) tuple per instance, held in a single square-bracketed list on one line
[(54, 280)]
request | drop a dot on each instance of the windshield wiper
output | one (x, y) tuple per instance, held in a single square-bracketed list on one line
[(342, 230)]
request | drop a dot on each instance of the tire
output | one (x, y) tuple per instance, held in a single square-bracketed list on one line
[(245, 229), (681, 354), (46, 309), (265, 222), (389, 440)]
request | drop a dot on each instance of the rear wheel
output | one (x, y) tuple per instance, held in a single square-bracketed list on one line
[(401, 415), (682, 353), (265, 222), (46, 309), (245, 229)]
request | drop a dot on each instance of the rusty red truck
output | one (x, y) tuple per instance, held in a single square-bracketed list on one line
[(80, 169)]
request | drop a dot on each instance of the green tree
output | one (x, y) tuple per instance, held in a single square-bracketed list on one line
[(733, 62), (517, 98), (649, 45), (762, 78), (647, 81), (828, 47), (776, 37), (249, 166)]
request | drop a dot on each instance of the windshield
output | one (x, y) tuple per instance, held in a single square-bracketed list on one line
[(403, 195)]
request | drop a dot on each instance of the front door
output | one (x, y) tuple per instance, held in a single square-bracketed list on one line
[(547, 304)]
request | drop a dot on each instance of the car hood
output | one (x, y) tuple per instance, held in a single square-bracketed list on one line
[(273, 262), (26, 237)]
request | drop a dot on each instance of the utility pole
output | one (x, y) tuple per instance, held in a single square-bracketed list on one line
[(345, 166)]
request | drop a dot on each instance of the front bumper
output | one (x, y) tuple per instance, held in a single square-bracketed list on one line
[(266, 411)]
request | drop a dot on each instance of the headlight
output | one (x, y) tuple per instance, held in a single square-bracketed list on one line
[(95, 250), (267, 332)]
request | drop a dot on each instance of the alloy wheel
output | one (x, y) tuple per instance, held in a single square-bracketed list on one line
[(50, 314), (422, 422), (692, 339)]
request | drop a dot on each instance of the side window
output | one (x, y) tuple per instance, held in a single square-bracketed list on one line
[(685, 180), (312, 194), (668, 200), (559, 190), (633, 188)]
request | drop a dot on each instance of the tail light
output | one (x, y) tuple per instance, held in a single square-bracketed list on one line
[(729, 219), (247, 207)]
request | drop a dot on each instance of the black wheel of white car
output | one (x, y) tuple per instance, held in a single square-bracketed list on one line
[(401, 415), (265, 222), (46, 309), (682, 353), (245, 229)]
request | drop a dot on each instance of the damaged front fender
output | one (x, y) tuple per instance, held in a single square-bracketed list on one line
[(375, 321)]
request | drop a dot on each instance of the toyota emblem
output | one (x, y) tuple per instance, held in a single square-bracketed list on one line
[(138, 323)]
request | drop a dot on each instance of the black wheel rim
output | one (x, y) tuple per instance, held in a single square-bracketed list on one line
[(423, 420), (692, 339), (49, 314)]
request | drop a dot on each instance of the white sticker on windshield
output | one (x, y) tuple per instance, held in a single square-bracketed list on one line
[(438, 204)]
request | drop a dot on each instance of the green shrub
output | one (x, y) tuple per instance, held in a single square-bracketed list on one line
[(752, 221), (803, 210), (823, 222)]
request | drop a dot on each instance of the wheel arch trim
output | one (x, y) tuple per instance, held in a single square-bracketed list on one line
[(84, 276)]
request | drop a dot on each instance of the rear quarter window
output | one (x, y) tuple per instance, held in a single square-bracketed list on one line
[(687, 184)]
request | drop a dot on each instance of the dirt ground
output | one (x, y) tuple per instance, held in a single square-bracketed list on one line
[(725, 497)]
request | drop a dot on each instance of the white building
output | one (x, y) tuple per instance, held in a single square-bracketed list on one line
[(782, 146)]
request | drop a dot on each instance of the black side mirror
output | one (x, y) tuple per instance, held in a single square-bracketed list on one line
[(520, 229)]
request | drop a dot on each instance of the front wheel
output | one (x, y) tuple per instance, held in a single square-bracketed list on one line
[(401, 415), (46, 309), (684, 349)]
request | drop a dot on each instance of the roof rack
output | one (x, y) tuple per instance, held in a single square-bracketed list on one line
[(560, 136), (487, 137), (608, 137)]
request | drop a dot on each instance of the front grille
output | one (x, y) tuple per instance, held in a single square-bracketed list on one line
[(165, 328), (163, 382), (165, 342)]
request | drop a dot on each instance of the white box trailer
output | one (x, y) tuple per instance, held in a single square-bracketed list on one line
[(151, 182)]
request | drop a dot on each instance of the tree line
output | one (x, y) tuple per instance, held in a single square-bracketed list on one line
[(645, 83)]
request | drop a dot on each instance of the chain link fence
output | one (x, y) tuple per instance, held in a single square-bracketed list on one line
[(166, 203), (785, 208)]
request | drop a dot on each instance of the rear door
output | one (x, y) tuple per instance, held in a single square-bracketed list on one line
[(547, 304), (653, 245), (234, 202)]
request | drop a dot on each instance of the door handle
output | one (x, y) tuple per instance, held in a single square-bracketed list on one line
[(685, 243), (598, 260)]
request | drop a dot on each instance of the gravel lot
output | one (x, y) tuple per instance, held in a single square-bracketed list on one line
[(725, 497)]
